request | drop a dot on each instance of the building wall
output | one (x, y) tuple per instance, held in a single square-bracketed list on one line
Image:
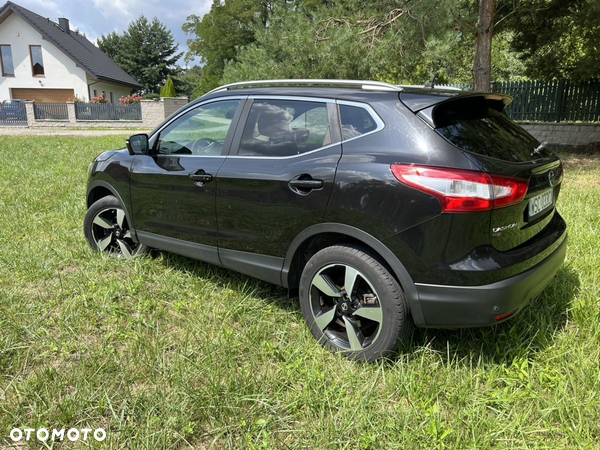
[(60, 70), (117, 90)]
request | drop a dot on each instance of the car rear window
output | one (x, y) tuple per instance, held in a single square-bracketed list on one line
[(479, 125)]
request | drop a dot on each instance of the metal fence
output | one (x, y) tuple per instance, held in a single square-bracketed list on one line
[(108, 111), (51, 111), (550, 101), (13, 113)]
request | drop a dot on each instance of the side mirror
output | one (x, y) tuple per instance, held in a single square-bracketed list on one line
[(138, 144)]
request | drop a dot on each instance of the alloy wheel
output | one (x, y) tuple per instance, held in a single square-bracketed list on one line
[(111, 233), (346, 307)]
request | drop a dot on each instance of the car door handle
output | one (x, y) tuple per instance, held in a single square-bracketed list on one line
[(200, 175), (307, 184)]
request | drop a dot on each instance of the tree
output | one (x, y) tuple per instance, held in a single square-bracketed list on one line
[(399, 41), (187, 82), (110, 44), (482, 67), (231, 25), (393, 40), (146, 50), (168, 90), (557, 38), (218, 35)]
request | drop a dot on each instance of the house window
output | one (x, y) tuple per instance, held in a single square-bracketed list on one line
[(112, 100), (6, 61), (95, 93), (37, 62)]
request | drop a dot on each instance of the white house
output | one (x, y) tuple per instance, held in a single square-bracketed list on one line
[(44, 61)]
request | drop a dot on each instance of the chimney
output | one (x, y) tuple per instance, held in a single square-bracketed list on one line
[(64, 25)]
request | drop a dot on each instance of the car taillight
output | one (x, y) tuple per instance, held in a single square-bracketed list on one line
[(463, 190)]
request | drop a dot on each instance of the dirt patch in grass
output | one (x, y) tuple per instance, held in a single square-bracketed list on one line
[(585, 157)]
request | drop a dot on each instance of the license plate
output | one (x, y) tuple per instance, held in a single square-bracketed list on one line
[(540, 203)]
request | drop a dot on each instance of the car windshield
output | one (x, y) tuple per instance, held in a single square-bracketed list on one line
[(479, 125)]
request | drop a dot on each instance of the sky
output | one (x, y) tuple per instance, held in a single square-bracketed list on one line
[(97, 17)]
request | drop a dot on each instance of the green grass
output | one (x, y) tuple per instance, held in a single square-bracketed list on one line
[(166, 352)]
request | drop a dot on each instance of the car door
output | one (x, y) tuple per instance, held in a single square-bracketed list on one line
[(277, 181), (173, 188)]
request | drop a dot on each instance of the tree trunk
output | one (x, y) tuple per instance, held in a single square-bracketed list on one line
[(482, 68)]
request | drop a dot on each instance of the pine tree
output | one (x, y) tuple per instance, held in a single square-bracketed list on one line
[(146, 50)]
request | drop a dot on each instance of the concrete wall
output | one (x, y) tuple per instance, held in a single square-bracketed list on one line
[(173, 104), (154, 112), (60, 70), (564, 133)]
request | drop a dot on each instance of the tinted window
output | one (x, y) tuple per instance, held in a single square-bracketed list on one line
[(201, 131), (37, 62), (479, 126), (285, 128), (6, 60), (355, 121)]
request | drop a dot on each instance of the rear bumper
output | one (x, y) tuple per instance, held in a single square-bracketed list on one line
[(446, 306)]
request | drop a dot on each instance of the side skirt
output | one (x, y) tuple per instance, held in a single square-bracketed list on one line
[(263, 267), (201, 252)]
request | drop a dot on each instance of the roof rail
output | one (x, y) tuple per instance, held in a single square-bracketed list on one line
[(420, 86), (363, 84)]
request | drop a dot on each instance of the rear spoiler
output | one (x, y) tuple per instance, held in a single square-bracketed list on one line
[(419, 99), (424, 105)]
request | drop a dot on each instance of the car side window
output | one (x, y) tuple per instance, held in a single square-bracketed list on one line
[(277, 128), (355, 121), (201, 131)]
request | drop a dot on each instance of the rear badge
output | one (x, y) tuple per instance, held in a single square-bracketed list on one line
[(552, 178), (497, 231)]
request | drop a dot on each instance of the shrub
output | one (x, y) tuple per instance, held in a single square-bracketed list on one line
[(76, 99), (168, 90), (151, 96), (100, 99), (136, 98)]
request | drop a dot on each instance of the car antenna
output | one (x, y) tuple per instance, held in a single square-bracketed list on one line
[(432, 84)]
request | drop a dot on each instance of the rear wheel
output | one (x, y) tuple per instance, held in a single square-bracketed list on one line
[(107, 230), (352, 304)]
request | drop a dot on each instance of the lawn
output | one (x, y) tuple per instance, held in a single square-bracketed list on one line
[(166, 352)]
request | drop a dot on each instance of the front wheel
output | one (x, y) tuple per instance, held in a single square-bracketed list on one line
[(107, 230), (353, 305)]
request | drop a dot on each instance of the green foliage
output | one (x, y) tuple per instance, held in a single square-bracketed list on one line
[(558, 38), (230, 26), (393, 40), (168, 90), (219, 33), (151, 96), (146, 50), (389, 41), (187, 81)]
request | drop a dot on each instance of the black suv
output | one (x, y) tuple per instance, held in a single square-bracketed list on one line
[(381, 206)]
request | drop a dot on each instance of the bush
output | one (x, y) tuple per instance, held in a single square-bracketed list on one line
[(151, 96), (100, 99), (136, 98)]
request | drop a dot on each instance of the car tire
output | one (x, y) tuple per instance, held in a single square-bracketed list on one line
[(107, 229), (366, 324)]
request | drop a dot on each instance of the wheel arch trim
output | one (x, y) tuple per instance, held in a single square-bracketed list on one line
[(392, 260)]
